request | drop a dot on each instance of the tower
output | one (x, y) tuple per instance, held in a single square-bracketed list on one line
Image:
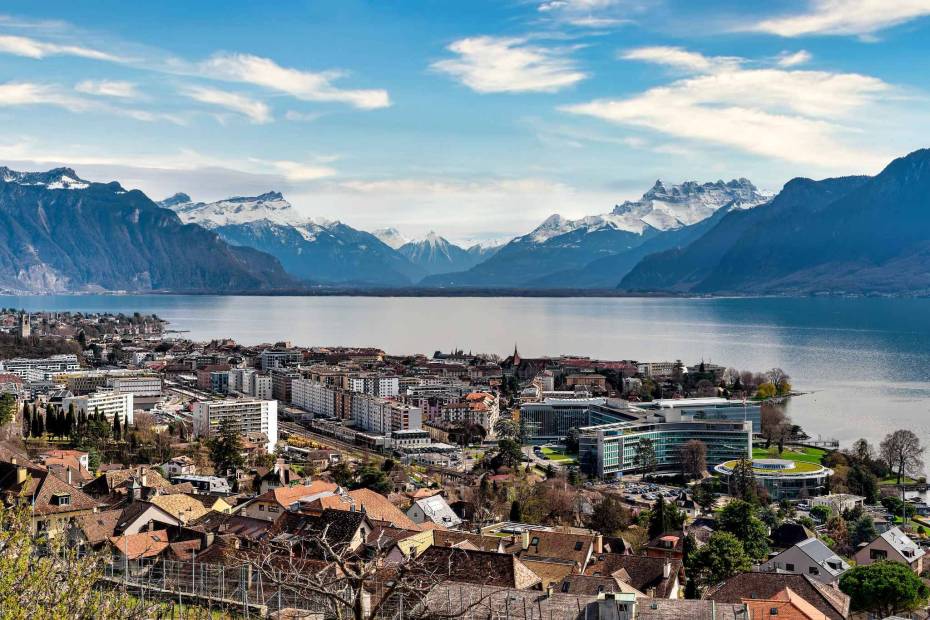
[(25, 329)]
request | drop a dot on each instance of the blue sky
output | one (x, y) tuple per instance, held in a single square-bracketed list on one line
[(476, 119)]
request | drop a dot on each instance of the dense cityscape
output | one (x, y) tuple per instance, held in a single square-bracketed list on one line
[(326, 481)]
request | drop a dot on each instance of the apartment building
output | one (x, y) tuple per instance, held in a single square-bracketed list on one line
[(381, 416), (375, 385), (108, 402), (247, 416), (281, 380), (40, 369), (280, 358)]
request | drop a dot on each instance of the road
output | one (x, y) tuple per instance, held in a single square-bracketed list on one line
[(540, 462)]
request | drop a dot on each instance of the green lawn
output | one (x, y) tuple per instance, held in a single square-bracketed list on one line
[(557, 456), (893, 480), (803, 454)]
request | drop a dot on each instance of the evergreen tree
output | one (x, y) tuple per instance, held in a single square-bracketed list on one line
[(665, 517), (117, 430), (27, 420), (516, 512), (69, 422), (40, 425), (226, 448), (7, 409)]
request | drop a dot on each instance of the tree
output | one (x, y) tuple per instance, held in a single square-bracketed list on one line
[(742, 481), (507, 429), (516, 513), (838, 531), (821, 513), (722, 557), (508, 454), (571, 441), (645, 458), (27, 420), (741, 519), (226, 448), (780, 379), (7, 409), (704, 497), (902, 451), (863, 531), (693, 455), (609, 516), (117, 429), (884, 588), (775, 425), (766, 391), (375, 479), (664, 517)]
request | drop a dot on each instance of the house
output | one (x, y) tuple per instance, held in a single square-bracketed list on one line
[(273, 503), (281, 475), (784, 605), (144, 545), (434, 509), (375, 505), (789, 534), (551, 571), (138, 515), (654, 577), (344, 531), (93, 530), (592, 585), (809, 557), (180, 506), (397, 544), (55, 503), (80, 458), (180, 466), (565, 545), (838, 503), (828, 600), (669, 545), (893, 545), (467, 540), (476, 567)]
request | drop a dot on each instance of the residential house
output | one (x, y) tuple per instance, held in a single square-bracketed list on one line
[(789, 534), (893, 545), (434, 509), (784, 605), (55, 503), (476, 567), (375, 505), (144, 545), (269, 506), (566, 545), (180, 506), (654, 577), (809, 557), (766, 586), (180, 466)]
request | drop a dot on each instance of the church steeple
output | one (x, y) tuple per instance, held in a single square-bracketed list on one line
[(516, 355)]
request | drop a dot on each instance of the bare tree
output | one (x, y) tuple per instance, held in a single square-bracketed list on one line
[(693, 455), (775, 425), (902, 451)]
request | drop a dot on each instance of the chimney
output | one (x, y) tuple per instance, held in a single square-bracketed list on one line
[(68, 469), (666, 570), (143, 479), (550, 589), (525, 539), (599, 543), (21, 474)]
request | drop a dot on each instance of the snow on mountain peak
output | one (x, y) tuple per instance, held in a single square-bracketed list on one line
[(390, 237), (270, 206), (57, 178), (663, 207)]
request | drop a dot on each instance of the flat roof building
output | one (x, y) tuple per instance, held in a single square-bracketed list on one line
[(247, 416)]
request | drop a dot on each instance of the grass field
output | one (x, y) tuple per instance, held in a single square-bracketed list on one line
[(803, 454), (558, 457)]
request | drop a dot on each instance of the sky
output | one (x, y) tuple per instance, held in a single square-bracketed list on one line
[(475, 119)]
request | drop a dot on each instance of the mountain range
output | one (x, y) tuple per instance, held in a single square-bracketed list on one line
[(60, 233), (853, 235)]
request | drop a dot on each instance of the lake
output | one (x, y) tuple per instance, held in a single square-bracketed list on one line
[(865, 363)]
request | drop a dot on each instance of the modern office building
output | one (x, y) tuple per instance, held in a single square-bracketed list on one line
[(707, 409), (280, 358), (247, 416), (551, 419), (107, 402), (609, 450), (30, 369), (784, 479)]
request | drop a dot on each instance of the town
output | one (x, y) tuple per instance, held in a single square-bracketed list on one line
[(153, 475)]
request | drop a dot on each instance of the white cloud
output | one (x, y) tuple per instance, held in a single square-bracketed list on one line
[(509, 65), (588, 13), (33, 48), (299, 171), (845, 17), (788, 59), (673, 57), (302, 117), (304, 85), (108, 88), (257, 111), (790, 115), (13, 94)]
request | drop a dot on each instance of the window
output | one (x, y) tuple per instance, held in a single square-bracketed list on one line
[(535, 541), (272, 509), (261, 507), (565, 585), (813, 570), (773, 611), (877, 554), (578, 546), (789, 568)]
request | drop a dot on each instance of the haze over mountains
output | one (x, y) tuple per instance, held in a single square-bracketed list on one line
[(857, 234)]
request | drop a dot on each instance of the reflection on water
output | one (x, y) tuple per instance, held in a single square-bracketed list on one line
[(865, 363)]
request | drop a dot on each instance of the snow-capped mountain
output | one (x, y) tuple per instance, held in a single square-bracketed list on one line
[(436, 254), (311, 249), (661, 208), (57, 178), (561, 248), (391, 237)]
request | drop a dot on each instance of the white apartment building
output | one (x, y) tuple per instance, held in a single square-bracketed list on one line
[(247, 415), (39, 369), (261, 387), (381, 416), (249, 381), (107, 402), (317, 398), (375, 385), (140, 386)]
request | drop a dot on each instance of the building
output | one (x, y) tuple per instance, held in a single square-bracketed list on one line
[(109, 403), (179, 466), (894, 546), (262, 387), (434, 509), (219, 382), (784, 479), (281, 380), (375, 385), (280, 358), (54, 502), (673, 409), (826, 599), (246, 415), (411, 440), (380, 416), (838, 503), (809, 557), (30, 369), (317, 398), (611, 449), (551, 419), (140, 386)]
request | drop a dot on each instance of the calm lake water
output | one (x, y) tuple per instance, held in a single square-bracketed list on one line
[(864, 362)]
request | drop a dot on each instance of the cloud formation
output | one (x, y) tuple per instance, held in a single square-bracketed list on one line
[(509, 65), (257, 111), (108, 88), (34, 48), (790, 115), (845, 17), (304, 85)]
